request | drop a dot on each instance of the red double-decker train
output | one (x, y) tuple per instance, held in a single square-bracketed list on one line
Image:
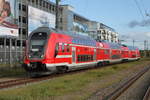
[(49, 51)]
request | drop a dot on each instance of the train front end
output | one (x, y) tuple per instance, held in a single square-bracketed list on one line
[(35, 51)]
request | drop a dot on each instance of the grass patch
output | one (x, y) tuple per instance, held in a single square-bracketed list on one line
[(66, 84), (11, 72)]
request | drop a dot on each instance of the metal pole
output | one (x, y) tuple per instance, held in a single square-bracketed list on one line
[(147, 49), (144, 48), (10, 52), (16, 50), (21, 38), (5, 50), (57, 14), (144, 44), (133, 43), (147, 44)]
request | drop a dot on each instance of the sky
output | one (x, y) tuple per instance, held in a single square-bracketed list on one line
[(127, 17)]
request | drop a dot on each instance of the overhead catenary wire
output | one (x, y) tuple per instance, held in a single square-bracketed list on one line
[(145, 9), (139, 8)]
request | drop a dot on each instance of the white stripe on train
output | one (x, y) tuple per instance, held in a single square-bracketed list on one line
[(64, 56)]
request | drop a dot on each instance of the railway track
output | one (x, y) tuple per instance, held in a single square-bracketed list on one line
[(120, 90), (25, 81), (11, 83), (147, 94)]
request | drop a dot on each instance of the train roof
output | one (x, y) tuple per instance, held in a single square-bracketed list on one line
[(87, 42), (76, 38), (80, 39), (105, 45), (132, 48), (113, 45)]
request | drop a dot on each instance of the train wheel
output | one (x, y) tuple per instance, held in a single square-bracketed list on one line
[(62, 69), (100, 64)]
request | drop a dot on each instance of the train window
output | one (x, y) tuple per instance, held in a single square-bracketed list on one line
[(124, 52), (86, 57), (68, 48), (106, 51), (82, 58), (92, 57), (86, 49), (79, 58), (59, 48), (98, 51), (56, 49), (63, 47)]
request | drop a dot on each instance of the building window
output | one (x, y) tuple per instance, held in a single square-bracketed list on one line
[(24, 43), (24, 8), (13, 42), (44, 3), (60, 20), (19, 6), (19, 18), (47, 5), (37, 2), (24, 31), (40, 2), (18, 42), (50, 7), (1, 41), (19, 30), (61, 10), (24, 20), (53, 8), (32, 1)]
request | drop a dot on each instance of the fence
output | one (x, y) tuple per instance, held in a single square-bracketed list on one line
[(145, 53), (11, 55)]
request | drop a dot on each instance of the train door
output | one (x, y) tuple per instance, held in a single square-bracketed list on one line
[(73, 55), (111, 54), (94, 54)]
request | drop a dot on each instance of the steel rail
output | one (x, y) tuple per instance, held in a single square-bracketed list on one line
[(147, 95), (121, 89), (24, 81)]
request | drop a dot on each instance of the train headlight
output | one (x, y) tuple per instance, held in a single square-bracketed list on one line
[(42, 56)]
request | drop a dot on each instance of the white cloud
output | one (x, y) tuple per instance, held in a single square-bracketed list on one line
[(138, 37), (148, 34)]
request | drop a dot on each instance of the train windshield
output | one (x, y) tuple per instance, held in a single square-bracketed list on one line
[(37, 44)]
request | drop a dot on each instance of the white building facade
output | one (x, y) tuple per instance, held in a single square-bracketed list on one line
[(101, 32)]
